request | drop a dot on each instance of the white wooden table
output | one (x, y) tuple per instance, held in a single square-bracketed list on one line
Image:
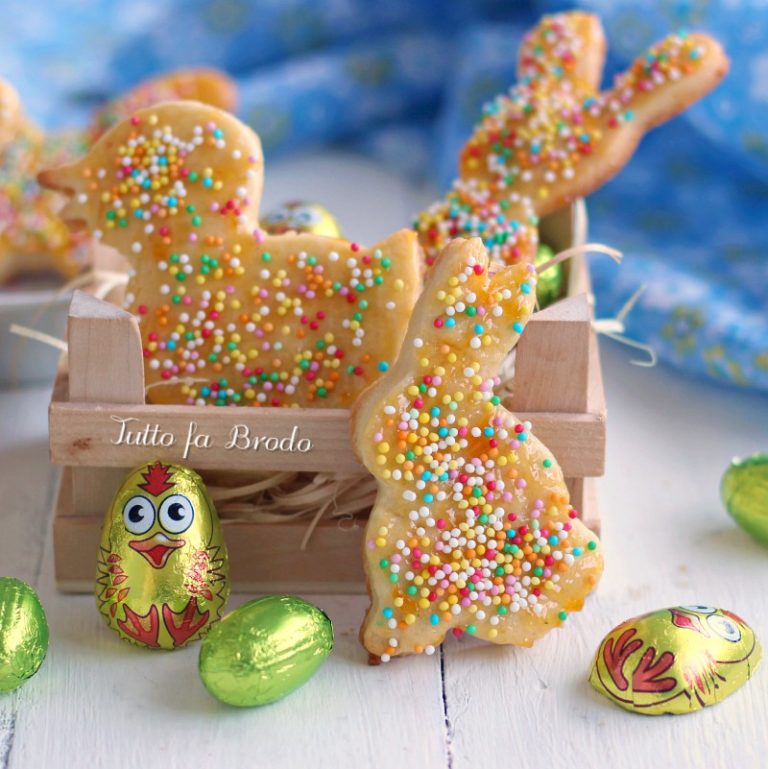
[(98, 702)]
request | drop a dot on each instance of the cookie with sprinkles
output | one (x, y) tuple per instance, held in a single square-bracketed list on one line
[(10, 113), (32, 236), (555, 137), (230, 314), (472, 530), (209, 86)]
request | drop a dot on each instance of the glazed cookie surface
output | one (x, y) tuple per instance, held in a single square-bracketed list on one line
[(33, 238), (231, 315), (555, 137), (472, 530)]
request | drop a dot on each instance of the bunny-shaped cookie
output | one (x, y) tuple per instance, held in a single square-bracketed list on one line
[(263, 320), (472, 530), (554, 137), (32, 236)]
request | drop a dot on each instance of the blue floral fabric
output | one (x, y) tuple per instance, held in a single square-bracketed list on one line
[(405, 80)]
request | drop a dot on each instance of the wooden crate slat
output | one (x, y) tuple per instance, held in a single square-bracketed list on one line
[(558, 388), (552, 367), (84, 434), (105, 365)]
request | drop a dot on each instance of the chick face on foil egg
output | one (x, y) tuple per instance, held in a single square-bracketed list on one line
[(301, 216), (675, 660), (162, 570)]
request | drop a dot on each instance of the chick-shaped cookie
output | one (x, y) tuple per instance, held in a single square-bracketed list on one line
[(229, 314), (32, 236), (472, 530), (163, 574), (555, 137)]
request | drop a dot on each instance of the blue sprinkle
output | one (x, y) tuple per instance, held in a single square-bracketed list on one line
[(518, 327), (383, 366), (207, 182), (522, 437), (525, 288), (450, 322), (435, 411), (553, 540), (577, 551), (488, 431), (387, 613), (479, 329), (429, 498), (434, 619)]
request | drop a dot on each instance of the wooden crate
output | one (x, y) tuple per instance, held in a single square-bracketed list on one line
[(557, 386)]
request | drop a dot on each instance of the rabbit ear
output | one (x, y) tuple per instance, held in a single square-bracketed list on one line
[(663, 82), (551, 141), (564, 46), (160, 177), (465, 322), (467, 314), (205, 85)]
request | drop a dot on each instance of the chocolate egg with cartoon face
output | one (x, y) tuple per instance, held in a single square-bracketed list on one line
[(301, 216), (163, 575), (675, 660)]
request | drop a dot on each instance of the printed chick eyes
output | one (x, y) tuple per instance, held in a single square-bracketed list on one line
[(700, 609), (176, 514), (306, 216), (138, 515), (726, 628), (278, 217)]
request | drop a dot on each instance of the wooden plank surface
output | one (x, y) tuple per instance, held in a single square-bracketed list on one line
[(97, 702), (87, 435), (667, 542)]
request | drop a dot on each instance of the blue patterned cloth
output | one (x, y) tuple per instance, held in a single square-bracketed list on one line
[(404, 81)]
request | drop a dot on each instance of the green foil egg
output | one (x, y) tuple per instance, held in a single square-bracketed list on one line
[(549, 287), (23, 633), (744, 490), (264, 650)]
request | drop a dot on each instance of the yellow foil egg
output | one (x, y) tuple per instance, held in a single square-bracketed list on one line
[(163, 574), (675, 660), (301, 216)]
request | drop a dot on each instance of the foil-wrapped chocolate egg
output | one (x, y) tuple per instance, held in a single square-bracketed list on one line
[(23, 633), (549, 285), (744, 490), (163, 574), (264, 650), (675, 660), (301, 216)]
